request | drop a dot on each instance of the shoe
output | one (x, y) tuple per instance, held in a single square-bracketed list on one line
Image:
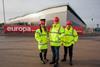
[(70, 63), (52, 62), (56, 65), (63, 60), (43, 62), (46, 60)]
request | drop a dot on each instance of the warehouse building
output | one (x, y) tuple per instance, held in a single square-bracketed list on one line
[(64, 12)]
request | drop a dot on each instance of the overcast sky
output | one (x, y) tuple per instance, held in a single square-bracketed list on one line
[(86, 9)]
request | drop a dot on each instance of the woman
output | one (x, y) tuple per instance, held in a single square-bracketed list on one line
[(41, 36)]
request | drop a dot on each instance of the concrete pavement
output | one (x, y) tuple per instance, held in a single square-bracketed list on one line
[(20, 51)]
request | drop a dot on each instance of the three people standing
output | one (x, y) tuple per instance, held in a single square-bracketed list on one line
[(57, 36)]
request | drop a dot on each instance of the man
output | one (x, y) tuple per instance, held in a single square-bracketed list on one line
[(55, 42), (69, 39), (42, 39)]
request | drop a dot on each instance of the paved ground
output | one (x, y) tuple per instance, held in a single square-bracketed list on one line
[(22, 52)]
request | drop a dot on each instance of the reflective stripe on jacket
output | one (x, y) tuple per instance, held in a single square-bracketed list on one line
[(69, 37), (42, 39), (55, 35)]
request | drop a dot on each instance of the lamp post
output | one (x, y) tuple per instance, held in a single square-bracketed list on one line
[(3, 4)]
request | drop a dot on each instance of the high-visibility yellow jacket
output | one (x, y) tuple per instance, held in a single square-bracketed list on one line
[(69, 37), (56, 34), (42, 39)]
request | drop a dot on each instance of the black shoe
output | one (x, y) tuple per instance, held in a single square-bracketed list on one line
[(70, 63), (56, 65), (52, 62), (46, 60), (63, 60)]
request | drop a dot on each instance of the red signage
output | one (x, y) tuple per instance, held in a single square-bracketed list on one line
[(31, 29), (79, 29)]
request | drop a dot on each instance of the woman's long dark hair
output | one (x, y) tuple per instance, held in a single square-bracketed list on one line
[(43, 27)]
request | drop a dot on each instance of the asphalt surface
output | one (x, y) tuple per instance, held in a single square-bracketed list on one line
[(21, 51)]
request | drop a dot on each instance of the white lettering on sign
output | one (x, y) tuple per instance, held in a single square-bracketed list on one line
[(21, 29)]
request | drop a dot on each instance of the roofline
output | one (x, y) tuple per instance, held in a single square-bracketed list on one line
[(69, 8), (51, 8), (67, 5)]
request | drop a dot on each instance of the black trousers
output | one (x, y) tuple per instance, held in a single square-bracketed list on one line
[(55, 53), (43, 54), (70, 49)]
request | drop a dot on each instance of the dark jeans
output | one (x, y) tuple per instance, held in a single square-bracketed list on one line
[(43, 54), (70, 48), (55, 53)]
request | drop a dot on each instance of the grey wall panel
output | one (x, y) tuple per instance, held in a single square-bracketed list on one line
[(71, 16), (61, 15)]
